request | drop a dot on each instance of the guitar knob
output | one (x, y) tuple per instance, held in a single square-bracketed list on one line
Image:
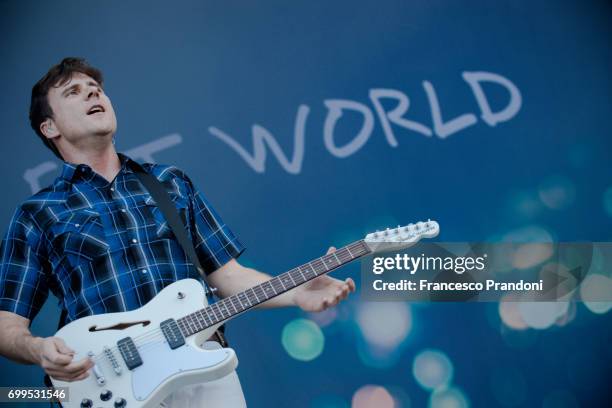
[(86, 403), (106, 395), (120, 403)]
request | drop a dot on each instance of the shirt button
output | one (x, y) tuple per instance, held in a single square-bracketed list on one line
[(112, 189), (134, 240), (123, 210), (77, 225), (144, 271)]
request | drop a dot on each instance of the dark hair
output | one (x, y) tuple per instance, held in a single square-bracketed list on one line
[(58, 75)]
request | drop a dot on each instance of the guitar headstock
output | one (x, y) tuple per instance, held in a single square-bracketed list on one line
[(401, 237)]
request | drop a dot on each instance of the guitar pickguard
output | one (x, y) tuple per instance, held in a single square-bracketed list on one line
[(163, 363)]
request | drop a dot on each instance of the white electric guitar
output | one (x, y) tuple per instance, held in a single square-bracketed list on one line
[(144, 355)]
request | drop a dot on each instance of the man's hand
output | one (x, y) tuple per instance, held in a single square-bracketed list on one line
[(322, 292), (55, 357)]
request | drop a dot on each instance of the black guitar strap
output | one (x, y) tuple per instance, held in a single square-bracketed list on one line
[(176, 224), (167, 207)]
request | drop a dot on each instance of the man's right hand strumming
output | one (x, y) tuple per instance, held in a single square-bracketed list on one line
[(50, 353)]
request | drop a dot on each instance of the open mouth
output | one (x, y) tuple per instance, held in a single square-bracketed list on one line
[(95, 109)]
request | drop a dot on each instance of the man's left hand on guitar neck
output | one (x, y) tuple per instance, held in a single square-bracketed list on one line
[(322, 292)]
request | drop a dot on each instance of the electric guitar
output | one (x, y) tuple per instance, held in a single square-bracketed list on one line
[(143, 355)]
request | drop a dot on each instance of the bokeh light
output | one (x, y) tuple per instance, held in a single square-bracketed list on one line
[(303, 339), (594, 291), (542, 315), (384, 324), (432, 369), (451, 397), (372, 396), (530, 233), (529, 255), (324, 318), (526, 203), (509, 312), (401, 398), (557, 192)]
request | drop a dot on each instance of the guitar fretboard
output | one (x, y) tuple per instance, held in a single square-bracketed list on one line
[(231, 306)]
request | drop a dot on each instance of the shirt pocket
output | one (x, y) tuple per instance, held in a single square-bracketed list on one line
[(79, 238), (162, 228)]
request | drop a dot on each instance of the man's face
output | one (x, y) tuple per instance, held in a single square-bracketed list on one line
[(82, 113)]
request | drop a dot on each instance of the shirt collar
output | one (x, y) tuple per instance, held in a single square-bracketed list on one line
[(70, 170)]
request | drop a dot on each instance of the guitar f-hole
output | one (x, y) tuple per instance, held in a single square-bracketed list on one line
[(120, 326)]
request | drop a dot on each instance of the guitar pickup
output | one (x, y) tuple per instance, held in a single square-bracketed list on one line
[(173, 333), (129, 352)]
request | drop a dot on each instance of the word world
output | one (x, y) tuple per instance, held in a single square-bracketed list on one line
[(336, 108)]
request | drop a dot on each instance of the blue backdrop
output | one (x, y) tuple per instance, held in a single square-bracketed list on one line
[(309, 124)]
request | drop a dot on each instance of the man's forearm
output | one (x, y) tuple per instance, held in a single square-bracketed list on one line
[(17, 342), (235, 278)]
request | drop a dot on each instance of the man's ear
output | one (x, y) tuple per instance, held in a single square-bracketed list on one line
[(48, 129)]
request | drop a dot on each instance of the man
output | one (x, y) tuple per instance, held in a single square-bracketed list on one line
[(100, 244)]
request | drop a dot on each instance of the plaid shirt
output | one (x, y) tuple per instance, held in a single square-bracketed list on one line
[(105, 247)]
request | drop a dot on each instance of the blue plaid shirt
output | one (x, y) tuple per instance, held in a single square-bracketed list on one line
[(105, 247)]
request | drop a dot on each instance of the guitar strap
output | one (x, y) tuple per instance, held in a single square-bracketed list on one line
[(177, 225)]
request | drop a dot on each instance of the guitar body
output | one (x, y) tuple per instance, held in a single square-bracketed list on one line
[(112, 383)]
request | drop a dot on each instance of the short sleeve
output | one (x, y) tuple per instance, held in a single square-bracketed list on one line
[(214, 241), (23, 283)]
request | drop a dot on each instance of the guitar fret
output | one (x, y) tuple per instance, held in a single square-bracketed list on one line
[(301, 273), (252, 290), (218, 305), (240, 300), (212, 309), (291, 277), (225, 306), (274, 283), (349, 251), (314, 268), (233, 305), (262, 294), (269, 287), (195, 323), (324, 264), (202, 315), (191, 325)]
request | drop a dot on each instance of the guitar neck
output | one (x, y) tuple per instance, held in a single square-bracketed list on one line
[(231, 306)]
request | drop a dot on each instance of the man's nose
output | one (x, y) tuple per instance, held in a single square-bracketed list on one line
[(93, 92)]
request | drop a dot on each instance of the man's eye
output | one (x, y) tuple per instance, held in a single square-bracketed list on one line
[(72, 92)]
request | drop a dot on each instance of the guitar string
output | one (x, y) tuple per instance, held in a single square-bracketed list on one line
[(157, 334)]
